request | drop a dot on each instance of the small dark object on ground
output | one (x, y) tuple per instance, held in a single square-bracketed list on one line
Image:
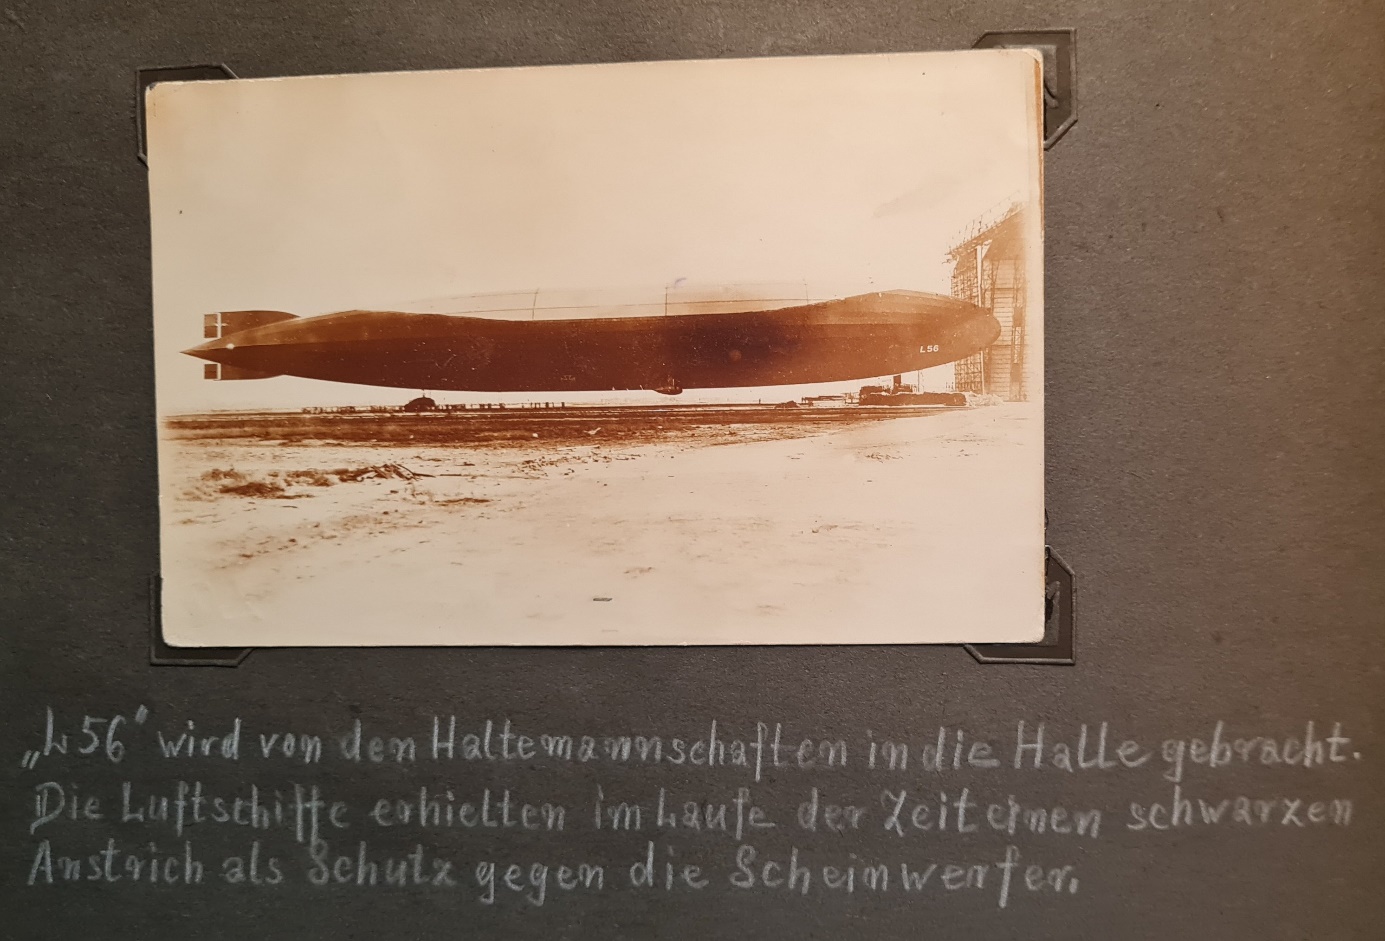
[(376, 472), (256, 488)]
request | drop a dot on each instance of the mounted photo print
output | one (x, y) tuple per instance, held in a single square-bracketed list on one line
[(703, 352)]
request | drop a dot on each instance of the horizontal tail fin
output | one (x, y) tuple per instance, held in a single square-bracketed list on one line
[(223, 324), (222, 373)]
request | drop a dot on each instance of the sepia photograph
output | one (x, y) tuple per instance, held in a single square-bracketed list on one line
[(697, 352)]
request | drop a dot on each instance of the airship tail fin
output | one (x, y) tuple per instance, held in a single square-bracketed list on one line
[(226, 322), (222, 372)]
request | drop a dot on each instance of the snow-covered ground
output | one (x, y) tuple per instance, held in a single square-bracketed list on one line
[(926, 528)]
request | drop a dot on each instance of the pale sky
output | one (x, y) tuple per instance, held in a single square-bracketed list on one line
[(312, 195)]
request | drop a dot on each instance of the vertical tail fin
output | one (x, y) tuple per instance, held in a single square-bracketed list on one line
[(226, 322)]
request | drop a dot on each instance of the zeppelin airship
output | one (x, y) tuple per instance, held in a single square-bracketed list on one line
[(537, 343)]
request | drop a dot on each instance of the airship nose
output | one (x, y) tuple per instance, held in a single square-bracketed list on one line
[(974, 331), (985, 328)]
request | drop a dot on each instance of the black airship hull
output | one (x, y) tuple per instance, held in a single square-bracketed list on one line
[(847, 339)]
